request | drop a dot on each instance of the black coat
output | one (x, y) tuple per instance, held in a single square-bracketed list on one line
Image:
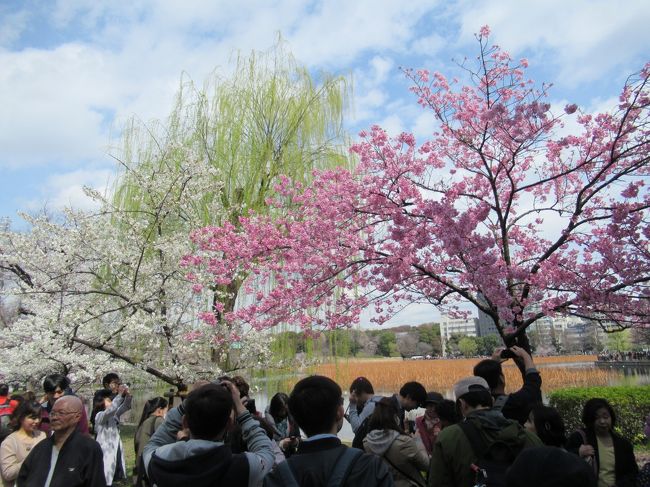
[(79, 464), (625, 467), (518, 404)]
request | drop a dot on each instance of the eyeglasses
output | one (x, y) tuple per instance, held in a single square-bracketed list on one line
[(62, 413)]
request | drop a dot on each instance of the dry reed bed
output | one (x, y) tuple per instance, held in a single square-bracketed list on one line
[(440, 375)]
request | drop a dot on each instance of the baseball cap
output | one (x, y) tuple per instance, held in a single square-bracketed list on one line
[(470, 384)]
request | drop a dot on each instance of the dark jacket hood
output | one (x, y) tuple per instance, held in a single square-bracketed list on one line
[(493, 425)]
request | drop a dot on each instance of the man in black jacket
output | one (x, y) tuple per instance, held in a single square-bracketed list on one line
[(68, 458), (316, 403), (516, 405)]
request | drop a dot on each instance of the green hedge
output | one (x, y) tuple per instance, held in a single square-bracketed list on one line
[(631, 404)]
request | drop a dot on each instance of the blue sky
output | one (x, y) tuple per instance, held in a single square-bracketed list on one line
[(74, 71)]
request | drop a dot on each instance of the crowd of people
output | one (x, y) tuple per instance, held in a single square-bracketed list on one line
[(631, 356), (216, 436)]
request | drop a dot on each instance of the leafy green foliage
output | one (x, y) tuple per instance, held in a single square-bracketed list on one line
[(487, 344), (631, 404), (619, 341), (430, 334), (468, 346), (387, 344)]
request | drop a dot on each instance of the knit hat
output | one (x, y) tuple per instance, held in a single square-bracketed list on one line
[(434, 398), (470, 384), (549, 466)]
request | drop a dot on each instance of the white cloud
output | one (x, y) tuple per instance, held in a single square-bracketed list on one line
[(52, 102), (337, 31), (120, 59), (382, 67), (424, 125), (428, 45), (12, 25), (370, 90), (59, 103), (65, 190), (586, 37), (367, 103), (393, 125)]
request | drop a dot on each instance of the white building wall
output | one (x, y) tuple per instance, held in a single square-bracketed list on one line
[(456, 326)]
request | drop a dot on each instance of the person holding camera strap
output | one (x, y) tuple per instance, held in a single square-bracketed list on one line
[(517, 404)]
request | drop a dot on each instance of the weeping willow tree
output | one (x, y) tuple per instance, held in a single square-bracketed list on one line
[(270, 117)]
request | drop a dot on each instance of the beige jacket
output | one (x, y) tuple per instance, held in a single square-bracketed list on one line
[(13, 452), (401, 454)]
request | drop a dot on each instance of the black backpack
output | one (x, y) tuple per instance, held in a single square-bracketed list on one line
[(362, 432), (338, 477), (492, 460)]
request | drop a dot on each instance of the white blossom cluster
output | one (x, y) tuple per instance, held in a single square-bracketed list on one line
[(97, 291)]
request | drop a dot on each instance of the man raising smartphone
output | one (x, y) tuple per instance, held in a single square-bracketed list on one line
[(516, 405)]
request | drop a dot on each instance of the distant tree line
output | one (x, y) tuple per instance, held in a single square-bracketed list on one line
[(404, 341), (421, 340)]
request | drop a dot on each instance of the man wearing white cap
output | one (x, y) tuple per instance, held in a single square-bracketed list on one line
[(468, 451)]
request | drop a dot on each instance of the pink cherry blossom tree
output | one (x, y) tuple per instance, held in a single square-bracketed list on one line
[(501, 208)]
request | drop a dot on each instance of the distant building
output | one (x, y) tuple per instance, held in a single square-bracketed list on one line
[(486, 325), (456, 326), (565, 333), (554, 333)]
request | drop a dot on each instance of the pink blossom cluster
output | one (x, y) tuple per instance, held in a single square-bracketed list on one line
[(494, 209)]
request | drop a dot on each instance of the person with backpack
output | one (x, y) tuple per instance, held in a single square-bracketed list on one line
[(404, 458), (479, 449), (609, 454), (316, 403), (517, 404)]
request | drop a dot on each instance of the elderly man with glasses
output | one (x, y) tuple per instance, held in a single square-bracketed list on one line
[(56, 386), (68, 458)]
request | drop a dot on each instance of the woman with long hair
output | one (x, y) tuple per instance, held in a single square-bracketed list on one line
[(17, 445), (153, 415), (397, 449), (277, 414), (611, 455)]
